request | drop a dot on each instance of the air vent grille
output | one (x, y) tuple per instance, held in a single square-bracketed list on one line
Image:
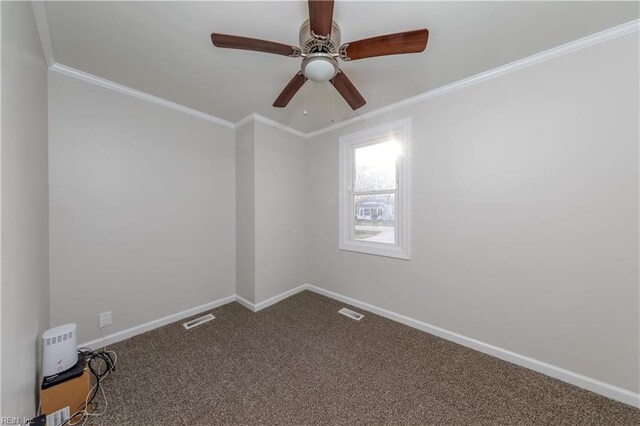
[(351, 314), (196, 322)]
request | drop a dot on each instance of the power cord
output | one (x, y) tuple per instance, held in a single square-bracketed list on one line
[(106, 364)]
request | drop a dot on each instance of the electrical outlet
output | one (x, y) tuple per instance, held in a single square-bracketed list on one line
[(105, 319)]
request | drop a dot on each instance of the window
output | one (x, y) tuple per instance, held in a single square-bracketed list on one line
[(374, 190)]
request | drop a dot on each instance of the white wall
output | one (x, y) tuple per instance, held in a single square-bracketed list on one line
[(142, 208), (270, 195), (280, 199), (525, 214), (25, 270), (245, 212)]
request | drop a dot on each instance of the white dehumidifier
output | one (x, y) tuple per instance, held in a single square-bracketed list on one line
[(59, 349)]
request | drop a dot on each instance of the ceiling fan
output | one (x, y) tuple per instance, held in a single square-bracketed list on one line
[(320, 49)]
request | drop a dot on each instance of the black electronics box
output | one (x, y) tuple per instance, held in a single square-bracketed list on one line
[(69, 374)]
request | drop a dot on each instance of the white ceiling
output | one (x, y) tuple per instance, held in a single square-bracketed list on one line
[(164, 48)]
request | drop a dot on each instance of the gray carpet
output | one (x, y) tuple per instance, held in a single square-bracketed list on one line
[(300, 362)]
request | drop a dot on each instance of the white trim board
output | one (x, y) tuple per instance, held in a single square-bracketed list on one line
[(564, 49), (550, 370), (255, 307), (590, 40), (249, 118), (107, 84), (42, 23), (534, 59), (571, 377), (244, 302), (151, 325), (279, 297), (269, 122)]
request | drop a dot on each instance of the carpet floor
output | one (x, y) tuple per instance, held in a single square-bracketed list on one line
[(300, 362)]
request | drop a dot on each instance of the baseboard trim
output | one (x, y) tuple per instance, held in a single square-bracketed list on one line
[(255, 307), (148, 326), (279, 297), (244, 302), (576, 379), (568, 376)]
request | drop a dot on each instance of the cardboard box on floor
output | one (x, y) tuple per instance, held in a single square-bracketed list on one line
[(63, 399)]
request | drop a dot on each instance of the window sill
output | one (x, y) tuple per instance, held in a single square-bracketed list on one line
[(377, 250)]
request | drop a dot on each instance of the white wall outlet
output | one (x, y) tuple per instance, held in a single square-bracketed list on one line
[(105, 319)]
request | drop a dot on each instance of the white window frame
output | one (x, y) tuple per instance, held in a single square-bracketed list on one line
[(401, 131)]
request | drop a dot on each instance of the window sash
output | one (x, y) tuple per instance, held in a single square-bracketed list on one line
[(352, 162), (396, 204), (392, 191)]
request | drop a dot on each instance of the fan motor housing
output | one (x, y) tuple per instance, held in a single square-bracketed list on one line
[(319, 43)]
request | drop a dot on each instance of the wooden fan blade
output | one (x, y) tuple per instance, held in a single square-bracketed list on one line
[(290, 90), (321, 16), (246, 43), (390, 44), (345, 87)]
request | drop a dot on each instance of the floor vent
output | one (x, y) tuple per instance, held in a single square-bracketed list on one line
[(196, 322), (353, 315)]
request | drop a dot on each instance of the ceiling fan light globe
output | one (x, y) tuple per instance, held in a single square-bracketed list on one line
[(319, 68)]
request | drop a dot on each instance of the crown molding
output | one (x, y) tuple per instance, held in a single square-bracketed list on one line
[(42, 23), (44, 31), (249, 118), (573, 46), (591, 40), (40, 14), (107, 84), (269, 122)]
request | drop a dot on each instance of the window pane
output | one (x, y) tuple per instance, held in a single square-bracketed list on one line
[(376, 166), (375, 218)]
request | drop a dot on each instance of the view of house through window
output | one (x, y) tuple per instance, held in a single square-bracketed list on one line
[(375, 191)]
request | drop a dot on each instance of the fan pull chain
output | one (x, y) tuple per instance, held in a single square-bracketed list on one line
[(306, 93), (333, 103)]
